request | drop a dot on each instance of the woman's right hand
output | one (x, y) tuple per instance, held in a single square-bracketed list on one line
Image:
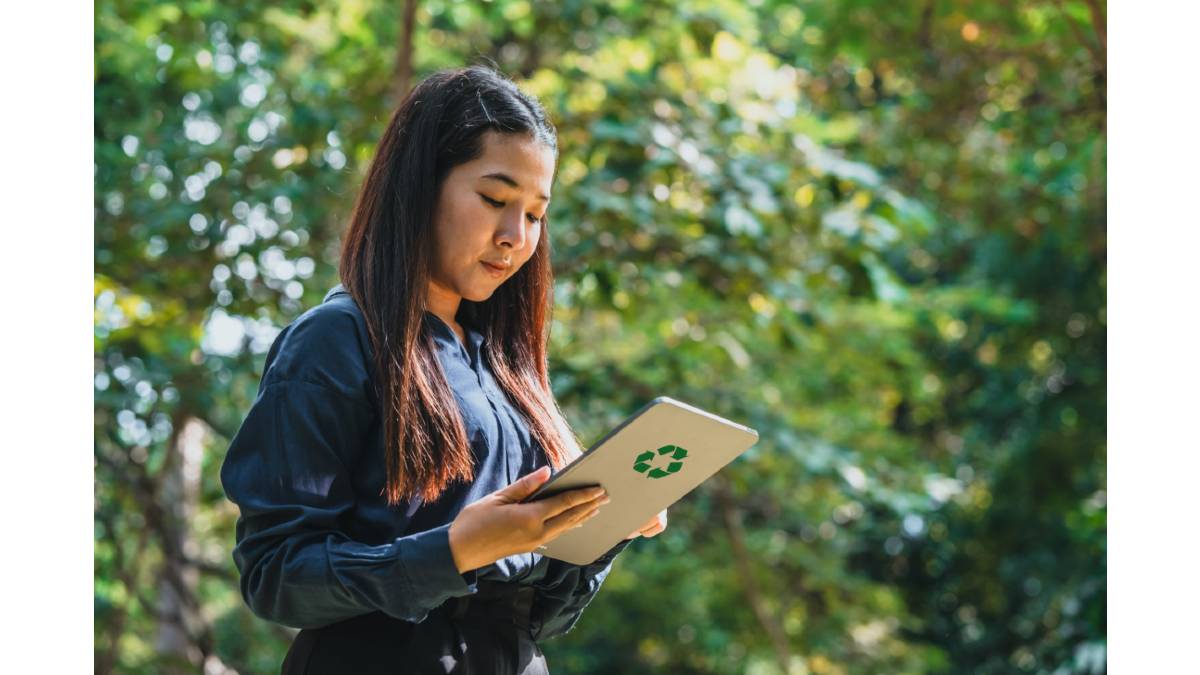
[(499, 525)]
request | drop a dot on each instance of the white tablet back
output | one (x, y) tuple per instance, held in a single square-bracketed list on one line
[(647, 463)]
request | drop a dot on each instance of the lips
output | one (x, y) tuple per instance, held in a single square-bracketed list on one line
[(496, 271)]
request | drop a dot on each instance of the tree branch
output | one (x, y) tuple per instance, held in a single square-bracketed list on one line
[(732, 520), (145, 493)]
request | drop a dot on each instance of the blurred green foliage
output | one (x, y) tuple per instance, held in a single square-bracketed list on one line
[(873, 231)]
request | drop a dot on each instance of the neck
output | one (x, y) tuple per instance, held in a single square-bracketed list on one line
[(444, 303)]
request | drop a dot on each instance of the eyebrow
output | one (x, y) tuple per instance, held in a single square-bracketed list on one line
[(507, 179)]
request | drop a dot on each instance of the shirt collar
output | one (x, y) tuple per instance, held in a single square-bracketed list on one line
[(338, 289), (442, 330), (439, 326)]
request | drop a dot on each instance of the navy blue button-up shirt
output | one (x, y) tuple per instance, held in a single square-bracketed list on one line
[(317, 542)]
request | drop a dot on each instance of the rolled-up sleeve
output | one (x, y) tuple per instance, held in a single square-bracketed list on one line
[(558, 605), (287, 470)]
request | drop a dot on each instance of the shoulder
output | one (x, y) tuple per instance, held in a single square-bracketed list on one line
[(333, 323), (328, 346)]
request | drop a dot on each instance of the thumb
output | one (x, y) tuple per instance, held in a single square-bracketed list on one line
[(526, 485)]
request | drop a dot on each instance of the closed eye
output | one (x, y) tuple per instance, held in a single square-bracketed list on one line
[(495, 204)]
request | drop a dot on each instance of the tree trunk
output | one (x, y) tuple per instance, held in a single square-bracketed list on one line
[(179, 621), (404, 52)]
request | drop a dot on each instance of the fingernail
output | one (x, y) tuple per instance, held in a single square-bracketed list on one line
[(606, 500)]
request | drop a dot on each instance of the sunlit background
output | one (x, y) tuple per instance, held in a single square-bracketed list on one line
[(874, 231)]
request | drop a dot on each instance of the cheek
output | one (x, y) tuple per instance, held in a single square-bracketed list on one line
[(476, 225), (459, 233), (535, 235)]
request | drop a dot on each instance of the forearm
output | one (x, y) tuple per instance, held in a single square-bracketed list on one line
[(321, 578)]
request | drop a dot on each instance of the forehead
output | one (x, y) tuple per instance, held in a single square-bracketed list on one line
[(527, 161)]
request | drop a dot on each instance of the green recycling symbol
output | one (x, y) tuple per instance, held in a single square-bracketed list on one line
[(643, 461)]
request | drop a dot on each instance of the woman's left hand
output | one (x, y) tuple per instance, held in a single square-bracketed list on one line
[(652, 527)]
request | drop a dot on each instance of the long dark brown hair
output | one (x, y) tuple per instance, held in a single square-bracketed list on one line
[(386, 265)]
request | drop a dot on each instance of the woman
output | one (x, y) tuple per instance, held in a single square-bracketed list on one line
[(399, 423)]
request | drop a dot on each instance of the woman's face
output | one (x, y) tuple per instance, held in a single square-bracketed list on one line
[(489, 211)]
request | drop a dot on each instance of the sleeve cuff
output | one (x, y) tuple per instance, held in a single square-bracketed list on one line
[(436, 571)]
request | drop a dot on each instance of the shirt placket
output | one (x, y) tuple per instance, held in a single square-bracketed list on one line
[(504, 435)]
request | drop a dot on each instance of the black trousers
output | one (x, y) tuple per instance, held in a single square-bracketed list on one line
[(483, 633)]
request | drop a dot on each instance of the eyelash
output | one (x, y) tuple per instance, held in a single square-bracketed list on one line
[(496, 204)]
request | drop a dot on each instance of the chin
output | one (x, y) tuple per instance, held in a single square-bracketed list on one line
[(479, 295)]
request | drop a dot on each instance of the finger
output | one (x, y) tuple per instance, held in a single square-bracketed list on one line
[(525, 485), (651, 531), (659, 525), (560, 503), (649, 524), (572, 517)]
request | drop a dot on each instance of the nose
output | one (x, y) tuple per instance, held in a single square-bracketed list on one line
[(512, 229)]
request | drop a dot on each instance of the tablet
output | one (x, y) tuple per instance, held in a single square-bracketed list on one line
[(648, 462)]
